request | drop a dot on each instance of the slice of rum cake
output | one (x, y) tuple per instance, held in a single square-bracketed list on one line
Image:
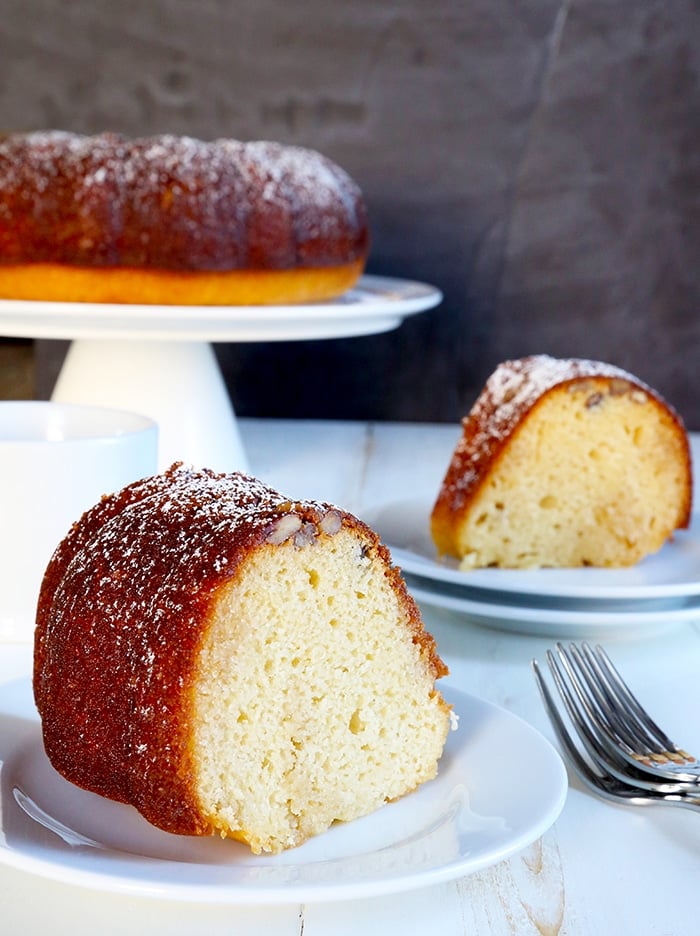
[(564, 463), (232, 662)]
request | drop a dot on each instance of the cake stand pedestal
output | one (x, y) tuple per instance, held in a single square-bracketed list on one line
[(177, 383), (159, 360)]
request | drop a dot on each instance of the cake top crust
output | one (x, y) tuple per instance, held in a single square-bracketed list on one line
[(512, 390), (176, 203)]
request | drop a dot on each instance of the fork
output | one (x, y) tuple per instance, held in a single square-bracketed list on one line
[(597, 777), (610, 720)]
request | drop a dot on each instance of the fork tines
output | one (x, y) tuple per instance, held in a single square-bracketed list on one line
[(609, 719), (660, 747)]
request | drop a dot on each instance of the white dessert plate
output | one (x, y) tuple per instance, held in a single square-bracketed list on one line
[(471, 816), (375, 304), (674, 572), (556, 622)]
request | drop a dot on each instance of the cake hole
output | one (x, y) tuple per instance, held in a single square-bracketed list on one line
[(313, 578), (481, 519), (356, 725), (548, 502)]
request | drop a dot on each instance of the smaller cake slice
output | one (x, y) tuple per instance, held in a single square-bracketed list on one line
[(564, 463)]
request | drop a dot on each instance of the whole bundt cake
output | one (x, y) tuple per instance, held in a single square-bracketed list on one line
[(229, 661), (564, 462), (175, 220)]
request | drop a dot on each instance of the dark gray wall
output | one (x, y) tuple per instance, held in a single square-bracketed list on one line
[(539, 162)]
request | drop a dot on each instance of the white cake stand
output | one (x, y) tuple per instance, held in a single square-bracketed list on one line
[(158, 360)]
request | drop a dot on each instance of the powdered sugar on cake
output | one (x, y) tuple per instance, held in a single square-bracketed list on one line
[(123, 536), (173, 202), (510, 392)]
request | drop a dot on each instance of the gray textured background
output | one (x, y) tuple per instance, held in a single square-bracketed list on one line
[(539, 162)]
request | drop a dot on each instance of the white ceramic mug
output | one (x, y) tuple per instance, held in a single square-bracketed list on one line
[(56, 461)]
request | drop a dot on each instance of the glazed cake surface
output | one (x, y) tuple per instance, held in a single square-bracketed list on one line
[(106, 213)]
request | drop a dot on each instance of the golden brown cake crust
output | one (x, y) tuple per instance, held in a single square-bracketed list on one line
[(122, 610), (171, 205), (513, 390)]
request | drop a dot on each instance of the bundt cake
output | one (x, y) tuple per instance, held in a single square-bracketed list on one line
[(564, 463), (231, 662), (174, 220)]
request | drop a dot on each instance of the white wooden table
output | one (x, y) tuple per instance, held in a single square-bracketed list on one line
[(599, 870)]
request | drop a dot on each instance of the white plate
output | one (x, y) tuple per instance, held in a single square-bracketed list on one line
[(471, 816), (376, 304), (674, 572), (556, 622)]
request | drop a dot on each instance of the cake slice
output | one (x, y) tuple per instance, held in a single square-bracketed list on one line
[(564, 463), (232, 662)]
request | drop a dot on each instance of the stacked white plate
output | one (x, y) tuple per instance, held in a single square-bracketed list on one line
[(660, 591)]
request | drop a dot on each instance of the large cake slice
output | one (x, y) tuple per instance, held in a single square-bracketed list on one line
[(230, 661)]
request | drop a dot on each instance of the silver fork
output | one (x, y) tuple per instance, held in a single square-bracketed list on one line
[(610, 719), (597, 777)]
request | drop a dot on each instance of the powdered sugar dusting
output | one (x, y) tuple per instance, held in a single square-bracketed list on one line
[(174, 537), (175, 203), (509, 394), (516, 385)]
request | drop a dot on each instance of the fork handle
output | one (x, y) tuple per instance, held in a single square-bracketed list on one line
[(675, 799)]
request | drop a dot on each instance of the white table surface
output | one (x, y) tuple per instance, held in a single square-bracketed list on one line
[(600, 869)]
